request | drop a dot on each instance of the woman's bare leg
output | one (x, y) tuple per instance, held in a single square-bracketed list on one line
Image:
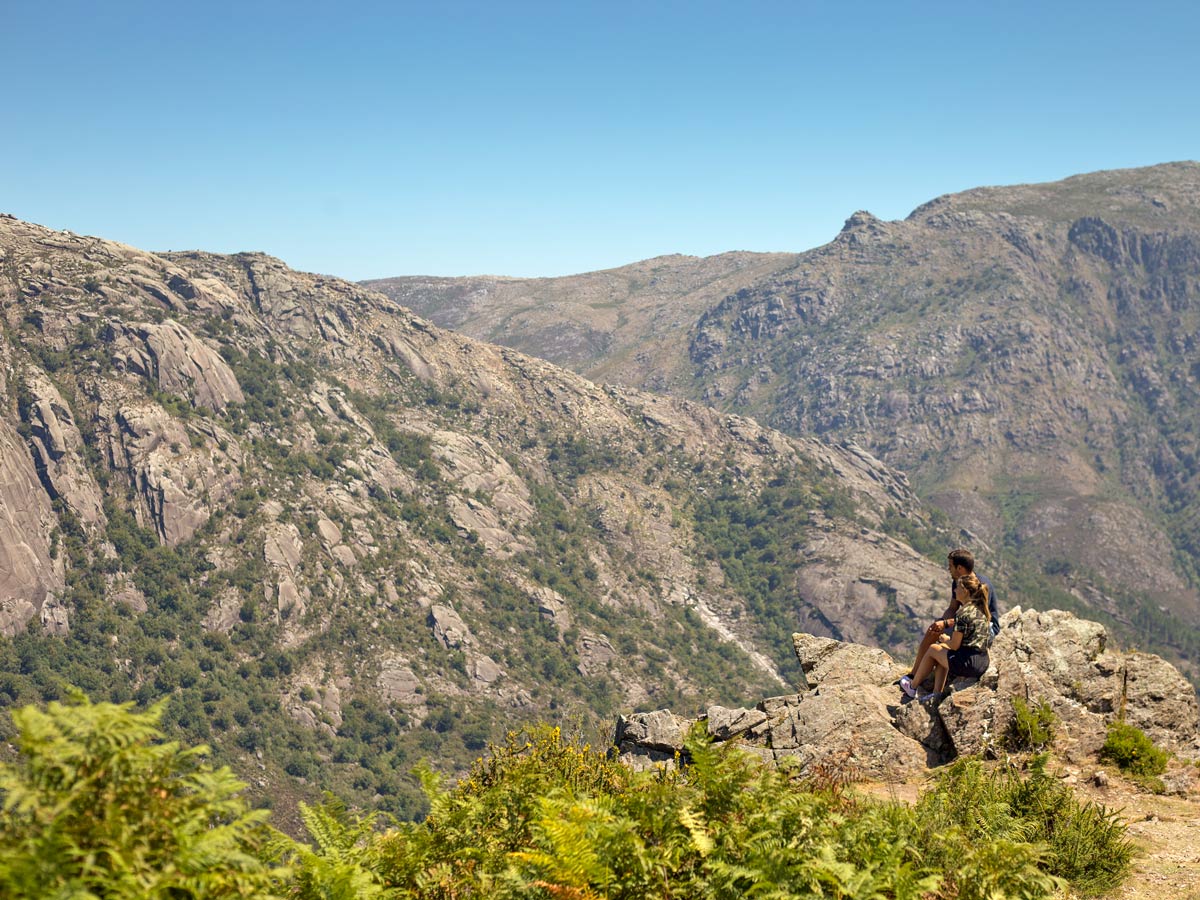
[(935, 656), (930, 638), (940, 678)]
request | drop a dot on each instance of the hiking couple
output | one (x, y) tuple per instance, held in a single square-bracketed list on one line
[(956, 645)]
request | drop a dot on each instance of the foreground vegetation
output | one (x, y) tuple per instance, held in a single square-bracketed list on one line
[(99, 806)]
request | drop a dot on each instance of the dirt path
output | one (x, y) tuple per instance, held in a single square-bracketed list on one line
[(1167, 832)]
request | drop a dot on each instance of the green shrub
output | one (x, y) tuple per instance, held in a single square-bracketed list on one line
[(545, 817), (1130, 750), (342, 864), (99, 805), (1083, 843), (1032, 727)]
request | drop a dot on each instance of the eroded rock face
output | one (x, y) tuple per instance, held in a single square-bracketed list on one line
[(855, 718), (182, 472), (179, 361), (28, 573), (58, 449), (449, 628)]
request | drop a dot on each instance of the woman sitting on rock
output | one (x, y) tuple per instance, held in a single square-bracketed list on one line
[(962, 653)]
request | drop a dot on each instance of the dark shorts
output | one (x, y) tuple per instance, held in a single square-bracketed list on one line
[(967, 663)]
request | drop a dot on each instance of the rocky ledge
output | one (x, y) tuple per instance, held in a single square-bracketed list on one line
[(852, 718)]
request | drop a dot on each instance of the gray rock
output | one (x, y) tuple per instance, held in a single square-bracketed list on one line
[(970, 720), (595, 653), (399, 685), (58, 450), (848, 727), (723, 724), (1180, 781), (484, 669), (179, 361), (54, 616), (448, 627), (659, 730), (923, 724), (1160, 701), (178, 485), (827, 662), (27, 571), (282, 546)]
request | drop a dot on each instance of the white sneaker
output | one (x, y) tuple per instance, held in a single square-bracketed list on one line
[(906, 685)]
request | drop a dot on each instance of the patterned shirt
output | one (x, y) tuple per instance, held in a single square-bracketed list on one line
[(974, 627)]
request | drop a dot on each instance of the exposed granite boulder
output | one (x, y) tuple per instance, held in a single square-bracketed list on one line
[(483, 669), (58, 449), (182, 472), (179, 361), (28, 571), (1160, 701), (448, 627), (854, 717), (595, 653), (828, 662), (848, 727), (400, 687), (660, 730), (723, 723), (283, 550)]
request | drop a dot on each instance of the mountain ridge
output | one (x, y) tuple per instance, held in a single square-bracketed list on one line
[(336, 537), (1026, 354)]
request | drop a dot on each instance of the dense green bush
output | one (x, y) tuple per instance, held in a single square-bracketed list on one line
[(1129, 749), (1083, 843), (1032, 727), (100, 806)]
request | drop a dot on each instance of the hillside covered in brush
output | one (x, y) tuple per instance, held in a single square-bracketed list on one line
[(1027, 354), (340, 539)]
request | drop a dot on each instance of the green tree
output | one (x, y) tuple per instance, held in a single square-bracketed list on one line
[(99, 806)]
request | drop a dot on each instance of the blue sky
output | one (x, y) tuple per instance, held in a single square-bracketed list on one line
[(549, 138)]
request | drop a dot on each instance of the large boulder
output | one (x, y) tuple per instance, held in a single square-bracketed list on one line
[(179, 361), (851, 716)]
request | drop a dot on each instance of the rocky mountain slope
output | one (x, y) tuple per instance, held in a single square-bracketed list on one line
[(617, 326), (336, 538), (1028, 355)]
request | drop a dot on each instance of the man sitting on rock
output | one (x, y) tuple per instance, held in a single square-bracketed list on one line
[(959, 562)]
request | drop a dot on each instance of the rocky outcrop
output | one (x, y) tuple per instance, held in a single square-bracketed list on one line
[(29, 571), (177, 360), (181, 472), (58, 449), (852, 716)]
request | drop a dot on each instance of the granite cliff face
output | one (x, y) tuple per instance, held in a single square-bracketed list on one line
[(1028, 355), (337, 537)]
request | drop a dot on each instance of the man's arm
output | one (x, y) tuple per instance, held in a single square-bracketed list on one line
[(946, 620)]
